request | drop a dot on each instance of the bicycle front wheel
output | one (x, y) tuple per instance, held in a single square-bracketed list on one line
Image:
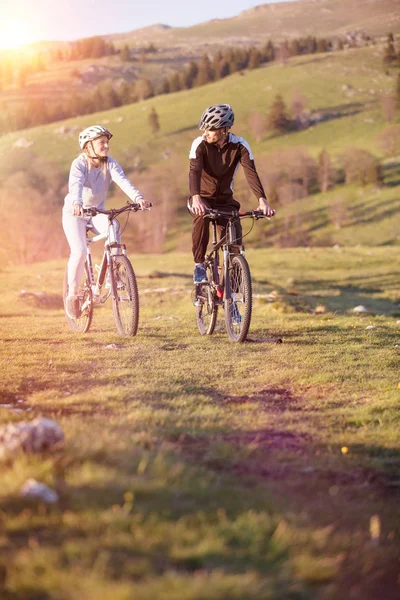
[(238, 307), (125, 297), (206, 307), (82, 323)]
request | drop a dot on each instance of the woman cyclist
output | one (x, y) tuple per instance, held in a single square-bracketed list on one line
[(89, 179)]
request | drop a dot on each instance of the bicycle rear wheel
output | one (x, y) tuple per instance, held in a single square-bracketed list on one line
[(125, 297), (82, 323), (238, 307), (206, 307)]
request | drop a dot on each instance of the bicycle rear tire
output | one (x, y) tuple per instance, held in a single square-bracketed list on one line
[(238, 308), (125, 296), (83, 322), (206, 309)]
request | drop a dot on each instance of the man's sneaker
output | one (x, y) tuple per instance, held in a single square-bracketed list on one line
[(236, 316), (199, 275), (73, 308)]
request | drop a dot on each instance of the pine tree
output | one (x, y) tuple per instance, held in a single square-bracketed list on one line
[(397, 92), (277, 118), (254, 59), (153, 121), (325, 171), (269, 52), (125, 55), (389, 53), (205, 74)]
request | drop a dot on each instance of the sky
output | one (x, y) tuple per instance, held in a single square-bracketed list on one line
[(26, 21)]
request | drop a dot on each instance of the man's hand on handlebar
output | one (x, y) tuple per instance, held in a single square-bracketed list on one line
[(265, 208), (198, 207)]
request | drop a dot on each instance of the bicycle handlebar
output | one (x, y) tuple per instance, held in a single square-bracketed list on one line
[(255, 214), (93, 210)]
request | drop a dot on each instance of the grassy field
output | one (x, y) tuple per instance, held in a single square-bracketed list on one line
[(198, 469)]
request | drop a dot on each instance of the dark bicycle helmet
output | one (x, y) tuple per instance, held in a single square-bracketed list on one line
[(216, 117)]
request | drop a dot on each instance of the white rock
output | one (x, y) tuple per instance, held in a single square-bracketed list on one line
[(371, 327), (38, 491), (30, 436), (360, 309), (23, 143)]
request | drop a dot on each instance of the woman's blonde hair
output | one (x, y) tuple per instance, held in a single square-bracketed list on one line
[(89, 161)]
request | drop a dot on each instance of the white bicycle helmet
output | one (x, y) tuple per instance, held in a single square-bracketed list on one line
[(216, 117), (91, 133)]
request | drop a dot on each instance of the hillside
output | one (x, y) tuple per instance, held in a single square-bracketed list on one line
[(343, 89), (176, 47), (280, 21)]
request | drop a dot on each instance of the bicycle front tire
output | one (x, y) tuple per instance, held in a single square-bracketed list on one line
[(206, 308), (238, 307), (125, 296)]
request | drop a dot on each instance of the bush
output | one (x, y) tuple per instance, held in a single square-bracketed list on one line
[(362, 167), (291, 169), (389, 140)]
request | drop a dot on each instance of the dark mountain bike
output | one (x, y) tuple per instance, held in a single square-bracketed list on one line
[(115, 278), (228, 283)]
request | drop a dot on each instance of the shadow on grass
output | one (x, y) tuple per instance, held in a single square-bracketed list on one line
[(391, 173)]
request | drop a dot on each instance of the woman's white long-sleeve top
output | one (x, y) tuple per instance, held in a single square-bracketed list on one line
[(88, 187)]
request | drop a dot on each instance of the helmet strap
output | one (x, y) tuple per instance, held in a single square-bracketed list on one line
[(96, 156)]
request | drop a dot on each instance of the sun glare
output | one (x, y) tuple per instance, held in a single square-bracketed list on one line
[(13, 34)]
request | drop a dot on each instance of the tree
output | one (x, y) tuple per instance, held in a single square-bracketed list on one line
[(325, 171), (362, 167), (175, 83), (389, 140), (125, 55), (189, 75), (397, 91), (388, 103), (277, 118), (389, 53), (153, 121), (144, 89), (205, 73), (257, 125), (297, 108), (283, 53), (269, 51), (254, 59)]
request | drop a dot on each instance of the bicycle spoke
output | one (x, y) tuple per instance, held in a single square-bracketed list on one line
[(238, 307), (125, 296), (206, 307)]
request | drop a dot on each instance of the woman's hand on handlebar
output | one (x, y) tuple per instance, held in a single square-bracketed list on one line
[(144, 204), (77, 210), (265, 208)]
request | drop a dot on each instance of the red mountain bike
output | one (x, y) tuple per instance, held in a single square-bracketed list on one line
[(229, 283)]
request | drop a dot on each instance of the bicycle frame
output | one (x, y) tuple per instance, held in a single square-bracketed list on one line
[(109, 248), (225, 242), (112, 247)]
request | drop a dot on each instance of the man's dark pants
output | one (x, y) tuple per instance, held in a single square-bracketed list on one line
[(201, 227)]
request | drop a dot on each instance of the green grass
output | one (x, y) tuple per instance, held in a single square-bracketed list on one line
[(195, 468)]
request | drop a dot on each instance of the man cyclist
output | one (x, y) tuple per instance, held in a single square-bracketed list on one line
[(214, 159)]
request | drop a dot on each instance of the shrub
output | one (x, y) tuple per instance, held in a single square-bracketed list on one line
[(389, 140), (362, 167)]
